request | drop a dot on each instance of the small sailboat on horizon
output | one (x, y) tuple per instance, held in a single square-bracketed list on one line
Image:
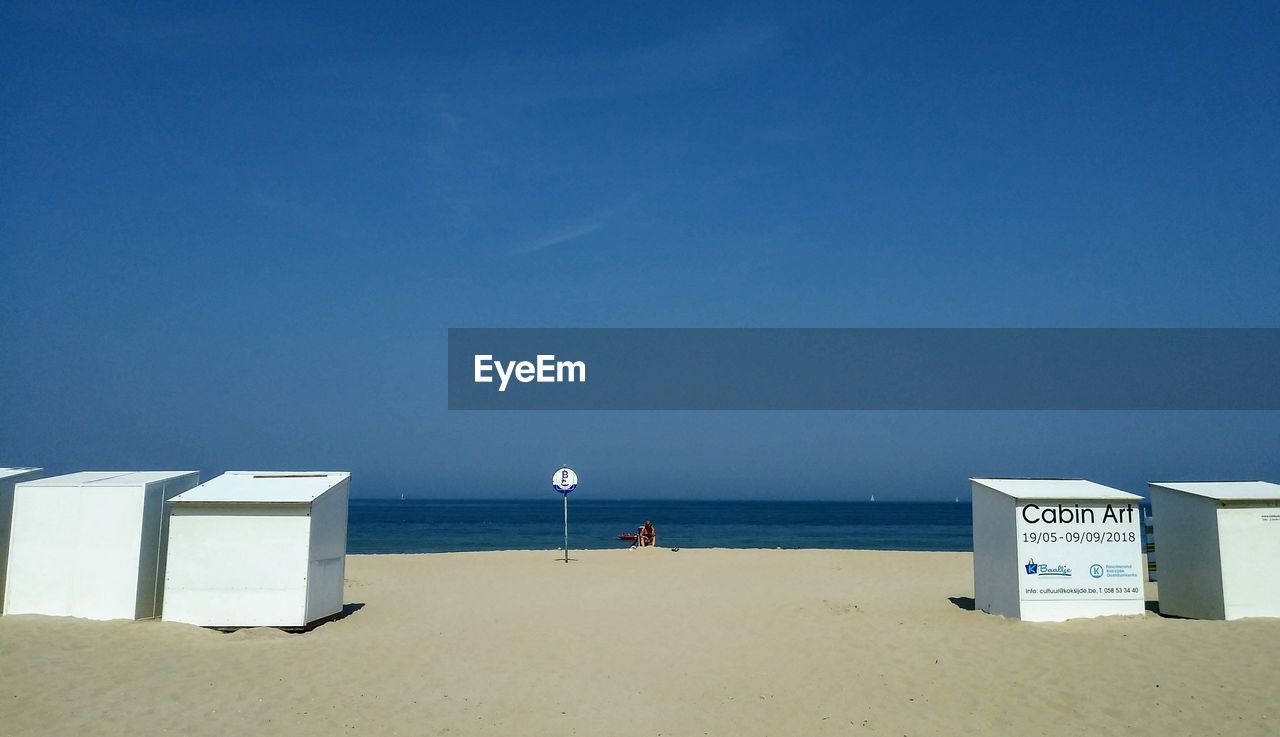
[(873, 497)]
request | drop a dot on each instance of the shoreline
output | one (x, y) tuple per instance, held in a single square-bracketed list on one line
[(682, 548)]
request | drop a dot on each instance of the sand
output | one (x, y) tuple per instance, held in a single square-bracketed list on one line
[(650, 642)]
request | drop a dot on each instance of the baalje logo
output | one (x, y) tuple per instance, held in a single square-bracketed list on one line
[(1040, 569)]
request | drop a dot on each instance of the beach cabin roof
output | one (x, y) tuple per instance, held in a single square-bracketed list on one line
[(263, 487), (107, 478), (7, 472), (1226, 491), (1055, 489)]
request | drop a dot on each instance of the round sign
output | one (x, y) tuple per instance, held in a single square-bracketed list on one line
[(564, 480)]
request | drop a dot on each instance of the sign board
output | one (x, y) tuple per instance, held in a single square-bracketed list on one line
[(564, 480), (1079, 550)]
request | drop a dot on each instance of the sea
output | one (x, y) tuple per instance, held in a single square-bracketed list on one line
[(435, 526)]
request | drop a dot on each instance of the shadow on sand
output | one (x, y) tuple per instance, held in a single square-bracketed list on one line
[(966, 603), (346, 611)]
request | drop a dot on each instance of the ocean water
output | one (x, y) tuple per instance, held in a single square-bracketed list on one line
[(431, 526)]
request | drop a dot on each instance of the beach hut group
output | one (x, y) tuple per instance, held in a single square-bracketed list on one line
[(248, 548), (268, 548), (1056, 549)]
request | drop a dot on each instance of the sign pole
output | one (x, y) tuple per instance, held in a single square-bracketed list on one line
[(564, 480)]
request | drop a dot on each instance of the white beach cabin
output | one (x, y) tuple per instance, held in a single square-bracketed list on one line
[(1046, 550), (9, 477), (1219, 548), (258, 549), (91, 544)]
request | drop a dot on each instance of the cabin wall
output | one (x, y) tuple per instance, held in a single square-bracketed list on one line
[(154, 543), (74, 551), (237, 565), (1190, 556), (1249, 541), (327, 565), (6, 520), (995, 554)]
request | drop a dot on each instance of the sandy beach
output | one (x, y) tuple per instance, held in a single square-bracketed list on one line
[(651, 642)]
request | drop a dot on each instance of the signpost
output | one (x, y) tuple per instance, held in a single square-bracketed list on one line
[(564, 480)]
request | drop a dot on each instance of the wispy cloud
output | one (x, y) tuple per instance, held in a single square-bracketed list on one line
[(560, 236), (306, 217), (579, 230), (686, 61), (490, 80), (162, 30)]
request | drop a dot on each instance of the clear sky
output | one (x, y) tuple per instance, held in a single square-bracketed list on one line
[(234, 235)]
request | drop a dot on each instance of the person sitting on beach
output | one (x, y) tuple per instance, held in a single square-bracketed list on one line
[(648, 536)]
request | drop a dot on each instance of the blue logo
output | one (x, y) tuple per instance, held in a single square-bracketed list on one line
[(564, 480), (1095, 570), (1044, 569)]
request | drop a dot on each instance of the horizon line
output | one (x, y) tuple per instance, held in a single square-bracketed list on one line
[(394, 498)]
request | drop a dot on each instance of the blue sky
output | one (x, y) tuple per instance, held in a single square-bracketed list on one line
[(234, 236)]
